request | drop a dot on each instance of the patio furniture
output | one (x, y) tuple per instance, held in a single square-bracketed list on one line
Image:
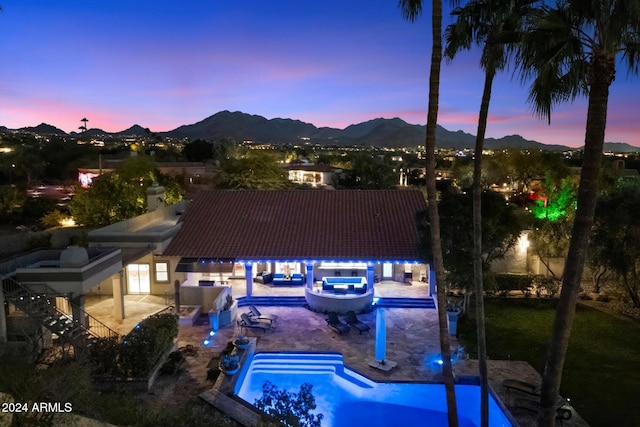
[(255, 314), (246, 322), (521, 386), (264, 277), (296, 279), (336, 324), (352, 320), (564, 411)]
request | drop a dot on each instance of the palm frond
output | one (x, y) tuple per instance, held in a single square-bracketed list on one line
[(411, 9)]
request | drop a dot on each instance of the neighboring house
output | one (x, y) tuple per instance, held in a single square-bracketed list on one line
[(123, 258), (313, 175)]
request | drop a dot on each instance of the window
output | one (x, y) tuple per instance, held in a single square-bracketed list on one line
[(138, 278), (162, 271)]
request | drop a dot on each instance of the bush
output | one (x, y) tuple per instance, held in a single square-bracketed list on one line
[(603, 298), (546, 286), (143, 346), (138, 351), (505, 283)]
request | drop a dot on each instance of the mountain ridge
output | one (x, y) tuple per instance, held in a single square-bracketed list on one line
[(381, 132)]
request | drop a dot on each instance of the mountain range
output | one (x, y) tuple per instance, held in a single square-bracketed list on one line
[(378, 132)]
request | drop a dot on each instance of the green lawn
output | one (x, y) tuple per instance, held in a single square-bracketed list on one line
[(602, 369)]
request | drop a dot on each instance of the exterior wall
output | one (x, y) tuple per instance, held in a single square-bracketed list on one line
[(18, 242)]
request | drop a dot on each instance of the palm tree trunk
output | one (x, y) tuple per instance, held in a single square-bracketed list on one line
[(430, 146), (601, 76), (477, 246)]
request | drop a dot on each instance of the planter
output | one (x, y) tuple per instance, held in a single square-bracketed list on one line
[(226, 317), (229, 371), (188, 315), (452, 317), (241, 345)]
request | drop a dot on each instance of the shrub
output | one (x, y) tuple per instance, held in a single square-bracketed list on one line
[(505, 283), (603, 298), (289, 409)]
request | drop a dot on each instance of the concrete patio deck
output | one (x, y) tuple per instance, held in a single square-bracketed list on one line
[(412, 341)]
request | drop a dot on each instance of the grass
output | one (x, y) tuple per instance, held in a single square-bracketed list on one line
[(602, 368)]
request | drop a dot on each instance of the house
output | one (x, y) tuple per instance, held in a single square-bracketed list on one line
[(303, 238), (313, 175), (335, 247)]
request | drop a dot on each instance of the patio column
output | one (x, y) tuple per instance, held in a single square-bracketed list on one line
[(248, 274), (309, 266), (432, 281), (117, 283), (370, 276), (77, 309)]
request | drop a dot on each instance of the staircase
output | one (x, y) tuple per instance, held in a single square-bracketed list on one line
[(38, 306), (406, 302)]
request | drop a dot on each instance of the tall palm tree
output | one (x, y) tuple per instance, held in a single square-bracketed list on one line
[(411, 9), (571, 49), (490, 25)]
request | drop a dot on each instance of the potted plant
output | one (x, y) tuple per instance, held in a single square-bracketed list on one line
[(228, 313), (454, 308), (229, 364), (241, 342)]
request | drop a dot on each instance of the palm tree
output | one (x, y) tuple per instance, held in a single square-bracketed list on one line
[(489, 24), (411, 9), (570, 49)]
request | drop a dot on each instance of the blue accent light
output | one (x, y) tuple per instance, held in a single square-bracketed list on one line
[(375, 300), (206, 342), (212, 333)]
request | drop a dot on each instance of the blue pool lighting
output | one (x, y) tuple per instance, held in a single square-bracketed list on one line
[(348, 399)]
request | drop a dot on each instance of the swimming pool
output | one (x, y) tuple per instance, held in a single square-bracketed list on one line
[(348, 399)]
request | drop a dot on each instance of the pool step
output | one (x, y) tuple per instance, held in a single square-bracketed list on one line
[(297, 363), (272, 301), (406, 303)]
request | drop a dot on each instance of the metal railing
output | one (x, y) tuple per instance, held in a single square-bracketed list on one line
[(31, 301)]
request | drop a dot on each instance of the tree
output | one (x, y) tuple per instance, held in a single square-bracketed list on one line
[(368, 173), (411, 9), (289, 409), (501, 224), (616, 238), (255, 171), (121, 194), (570, 49), (484, 23), (198, 150)]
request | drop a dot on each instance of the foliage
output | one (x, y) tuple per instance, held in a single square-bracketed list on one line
[(38, 241), (173, 363), (504, 283), (255, 171), (501, 229), (229, 362), (11, 201), (198, 150), (615, 242), (228, 302), (289, 409), (366, 172), (601, 344), (121, 195), (559, 201), (138, 351)]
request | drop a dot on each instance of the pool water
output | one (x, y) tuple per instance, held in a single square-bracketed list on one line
[(348, 399)]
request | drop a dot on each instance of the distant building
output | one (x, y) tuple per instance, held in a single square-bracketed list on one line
[(313, 175)]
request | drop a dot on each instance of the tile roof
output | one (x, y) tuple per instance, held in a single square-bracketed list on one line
[(300, 224)]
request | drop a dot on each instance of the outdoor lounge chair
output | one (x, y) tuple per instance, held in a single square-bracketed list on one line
[(522, 386), (255, 314), (564, 411), (336, 324), (352, 320), (246, 322)]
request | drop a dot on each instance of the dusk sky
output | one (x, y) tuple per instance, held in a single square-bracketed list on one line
[(162, 64)]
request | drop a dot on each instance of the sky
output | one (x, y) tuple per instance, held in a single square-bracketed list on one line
[(162, 64)]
